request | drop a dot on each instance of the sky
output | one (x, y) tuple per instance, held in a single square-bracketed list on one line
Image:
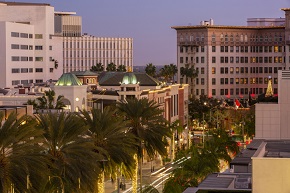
[(149, 22)]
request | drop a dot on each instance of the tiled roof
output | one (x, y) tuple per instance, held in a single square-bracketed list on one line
[(68, 79), (115, 78), (84, 73)]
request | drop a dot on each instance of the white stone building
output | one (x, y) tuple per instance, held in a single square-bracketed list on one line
[(27, 46)]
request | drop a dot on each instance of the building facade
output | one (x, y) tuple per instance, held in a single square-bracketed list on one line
[(27, 46), (40, 44), (234, 61)]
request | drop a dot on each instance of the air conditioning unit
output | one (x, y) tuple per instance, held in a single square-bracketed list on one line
[(243, 183)]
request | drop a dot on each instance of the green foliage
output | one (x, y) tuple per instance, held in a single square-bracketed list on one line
[(121, 68), (168, 72), (111, 67), (146, 122), (188, 71), (150, 69), (97, 68), (47, 101)]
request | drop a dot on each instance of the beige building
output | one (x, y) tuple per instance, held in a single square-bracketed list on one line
[(234, 61)]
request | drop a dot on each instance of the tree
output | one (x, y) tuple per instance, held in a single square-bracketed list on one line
[(188, 71), (121, 68), (192, 171), (168, 72), (47, 101), (146, 122), (110, 140), (97, 68), (111, 67), (73, 162), (150, 69), (22, 166)]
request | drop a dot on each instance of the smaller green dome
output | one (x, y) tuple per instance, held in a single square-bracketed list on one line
[(68, 79), (129, 78)]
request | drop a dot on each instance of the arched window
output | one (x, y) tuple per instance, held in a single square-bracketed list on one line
[(222, 37)]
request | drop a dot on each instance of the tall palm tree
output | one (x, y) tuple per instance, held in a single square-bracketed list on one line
[(146, 122), (22, 165), (150, 69), (73, 163), (111, 67), (121, 68), (165, 72), (188, 71), (110, 140), (173, 70), (97, 68)]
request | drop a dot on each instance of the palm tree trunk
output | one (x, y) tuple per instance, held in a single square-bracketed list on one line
[(172, 147), (135, 175), (100, 188)]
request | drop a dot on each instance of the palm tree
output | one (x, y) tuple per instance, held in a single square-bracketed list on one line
[(173, 70), (165, 72), (192, 171), (111, 67), (188, 71), (150, 69), (176, 130), (73, 164), (146, 122), (110, 140), (121, 68), (22, 166), (48, 101), (97, 68)]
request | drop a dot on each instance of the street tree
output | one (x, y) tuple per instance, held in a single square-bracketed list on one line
[(147, 124)]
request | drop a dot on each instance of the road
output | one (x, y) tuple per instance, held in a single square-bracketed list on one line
[(156, 179)]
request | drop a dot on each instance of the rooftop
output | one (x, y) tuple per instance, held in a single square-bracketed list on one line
[(23, 4), (68, 79), (226, 27)]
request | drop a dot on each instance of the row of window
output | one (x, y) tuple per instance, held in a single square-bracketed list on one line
[(242, 91), (232, 38), (227, 70), (26, 70), (26, 58), (26, 35), (98, 45), (237, 49), (27, 47), (17, 82), (99, 53), (237, 59)]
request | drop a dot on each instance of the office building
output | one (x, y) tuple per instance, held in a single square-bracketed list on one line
[(234, 61)]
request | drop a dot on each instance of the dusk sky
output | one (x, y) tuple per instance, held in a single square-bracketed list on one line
[(149, 22)]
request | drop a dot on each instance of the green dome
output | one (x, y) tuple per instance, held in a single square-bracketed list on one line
[(68, 79), (129, 78)]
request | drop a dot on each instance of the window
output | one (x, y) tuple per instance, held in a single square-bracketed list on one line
[(14, 34), (15, 58), (30, 35), (202, 59), (30, 47), (226, 59), (213, 48), (14, 46), (31, 70), (222, 92), (202, 70), (50, 47), (222, 48), (38, 47), (202, 49), (197, 60), (30, 58), (222, 70), (222, 59), (202, 81), (15, 82), (231, 48), (213, 81), (181, 60), (222, 81), (50, 69), (38, 36), (24, 58), (226, 48), (231, 80), (38, 80), (196, 81), (24, 35), (237, 80), (213, 37), (237, 70), (237, 48), (237, 59), (39, 59), (213, 92), (15, 70), (24, 47), (226, 81), (213, 59), (24, 70), (226, 70), (231, 70), (213, 70), (38, 70)]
